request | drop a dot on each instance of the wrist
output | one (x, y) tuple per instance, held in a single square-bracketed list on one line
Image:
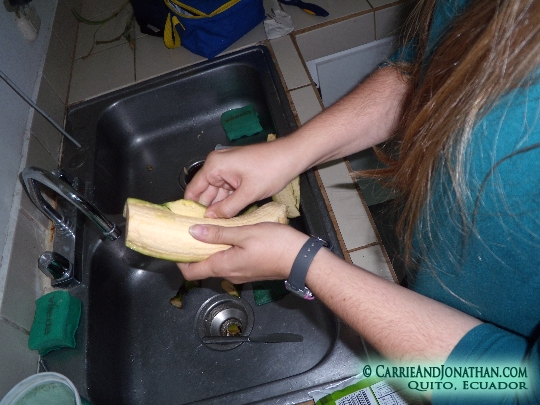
[(295, 154), (296, 282)]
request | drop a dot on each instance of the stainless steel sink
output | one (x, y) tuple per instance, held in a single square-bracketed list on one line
[(133, 346)]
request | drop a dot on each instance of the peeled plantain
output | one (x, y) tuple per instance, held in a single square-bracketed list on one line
[(162, 231)]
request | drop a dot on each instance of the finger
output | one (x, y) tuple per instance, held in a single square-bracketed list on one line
[(213, 266), (194, 271), (208, 196), (197, 186), (231, 205), (222, 194)]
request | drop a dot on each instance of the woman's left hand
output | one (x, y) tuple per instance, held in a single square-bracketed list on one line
[(264, 251)]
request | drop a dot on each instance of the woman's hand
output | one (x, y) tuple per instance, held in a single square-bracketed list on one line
[(265, 251), (231, 179)]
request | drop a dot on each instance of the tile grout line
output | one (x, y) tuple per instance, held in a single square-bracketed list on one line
[(304, 65), (71, 74), (332, 22), (364, 247), (268, 44), (300, 87), (14, 325)]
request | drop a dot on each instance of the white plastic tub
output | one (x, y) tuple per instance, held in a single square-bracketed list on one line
[(43, 389)]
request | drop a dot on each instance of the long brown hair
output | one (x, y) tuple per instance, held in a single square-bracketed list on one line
[(490, 48)]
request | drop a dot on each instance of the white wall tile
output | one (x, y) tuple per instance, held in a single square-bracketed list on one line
[(153, 58), (337, 37), (372, 259), (57, 67), (88, 33), (49, 101), (305, 103), (37, 156), (336, 9), (27, 63), (65, 25), (289, 62), (102, 72), (351, 216), (92, 8), (16, 361), (389, 21), (22, 62), (21, 286), (381, 3)]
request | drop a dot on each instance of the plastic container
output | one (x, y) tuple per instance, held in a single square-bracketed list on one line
[(43, 389)]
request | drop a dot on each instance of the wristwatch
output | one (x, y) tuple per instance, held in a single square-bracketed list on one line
[(297, 278)]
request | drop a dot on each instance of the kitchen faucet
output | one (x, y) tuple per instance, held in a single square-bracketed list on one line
[(58, 181), (58, 268)]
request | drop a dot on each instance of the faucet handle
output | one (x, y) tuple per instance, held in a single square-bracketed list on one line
[(57, 268)]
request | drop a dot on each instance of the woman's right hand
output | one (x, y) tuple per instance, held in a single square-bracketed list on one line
[(233, 178)]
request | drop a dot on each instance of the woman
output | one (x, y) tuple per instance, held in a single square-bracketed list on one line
[(459, 111)]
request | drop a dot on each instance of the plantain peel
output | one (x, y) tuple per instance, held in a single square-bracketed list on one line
[(290, 195)]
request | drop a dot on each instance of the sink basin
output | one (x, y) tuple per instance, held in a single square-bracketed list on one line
[(139, 341), (134, 347)]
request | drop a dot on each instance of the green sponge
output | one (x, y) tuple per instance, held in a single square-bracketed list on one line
[(240, 122), (55, 322), (268, 291)]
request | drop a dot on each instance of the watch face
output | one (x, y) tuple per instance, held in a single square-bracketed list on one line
[(304, 293)]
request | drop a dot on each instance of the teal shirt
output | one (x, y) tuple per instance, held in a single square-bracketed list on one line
[(493, 272)]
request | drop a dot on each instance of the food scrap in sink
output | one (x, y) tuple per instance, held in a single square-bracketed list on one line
[(187, 286)]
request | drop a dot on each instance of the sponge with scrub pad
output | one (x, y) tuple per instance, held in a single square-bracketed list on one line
[(55, 322), (240, 122), (267, 291)]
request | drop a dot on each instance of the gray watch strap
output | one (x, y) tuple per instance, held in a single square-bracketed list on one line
[(297, 278)]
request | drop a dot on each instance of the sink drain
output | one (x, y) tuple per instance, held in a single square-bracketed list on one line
[(223, 315), (189, 170)]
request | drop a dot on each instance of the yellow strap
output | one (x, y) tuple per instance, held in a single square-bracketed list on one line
[(170, 34), (198, 13)]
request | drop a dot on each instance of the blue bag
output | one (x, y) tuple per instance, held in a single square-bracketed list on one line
[(208, 27)]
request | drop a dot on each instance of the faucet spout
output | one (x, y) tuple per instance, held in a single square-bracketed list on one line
[(56, 181)]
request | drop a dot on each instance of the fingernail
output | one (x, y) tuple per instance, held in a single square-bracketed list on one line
[(210, 214), (198, 231)]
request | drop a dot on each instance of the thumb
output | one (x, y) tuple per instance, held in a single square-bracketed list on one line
[(214, 234)]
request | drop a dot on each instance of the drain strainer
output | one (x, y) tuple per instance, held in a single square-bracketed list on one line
[(189, 170), (224, 315)]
